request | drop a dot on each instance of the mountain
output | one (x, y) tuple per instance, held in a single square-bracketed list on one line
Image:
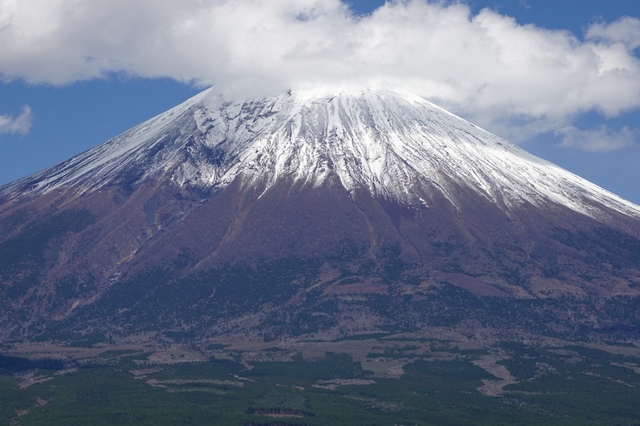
[(313, 215)]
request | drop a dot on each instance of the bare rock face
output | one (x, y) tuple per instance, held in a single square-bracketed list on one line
[(313, 215)]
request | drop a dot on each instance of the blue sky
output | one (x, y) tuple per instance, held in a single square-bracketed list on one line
[(60, 96)]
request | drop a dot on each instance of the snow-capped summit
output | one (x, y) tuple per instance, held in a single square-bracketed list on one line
[(395, 145)]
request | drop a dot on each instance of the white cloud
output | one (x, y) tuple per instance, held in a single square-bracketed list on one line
[(600, 139), (485, 66), (20, 124), (626, 30)]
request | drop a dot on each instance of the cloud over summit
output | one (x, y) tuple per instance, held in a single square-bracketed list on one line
[(485, 66)]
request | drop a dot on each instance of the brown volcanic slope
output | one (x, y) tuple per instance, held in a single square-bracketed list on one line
[(141, 245)]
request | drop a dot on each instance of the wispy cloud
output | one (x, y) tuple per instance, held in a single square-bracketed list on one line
[(485, 66), (597, 140), (626, 31), (20, 124)]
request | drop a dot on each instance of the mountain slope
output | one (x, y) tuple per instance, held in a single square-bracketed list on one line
[(313, 213)]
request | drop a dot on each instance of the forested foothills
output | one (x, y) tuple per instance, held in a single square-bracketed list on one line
[(551, 385)]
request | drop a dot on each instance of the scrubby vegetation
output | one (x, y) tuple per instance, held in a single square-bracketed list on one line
[(570, 385)]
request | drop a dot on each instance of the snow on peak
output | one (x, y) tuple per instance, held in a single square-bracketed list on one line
[(393, 144)]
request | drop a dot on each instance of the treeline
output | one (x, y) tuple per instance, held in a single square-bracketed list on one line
[(14, 364)]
